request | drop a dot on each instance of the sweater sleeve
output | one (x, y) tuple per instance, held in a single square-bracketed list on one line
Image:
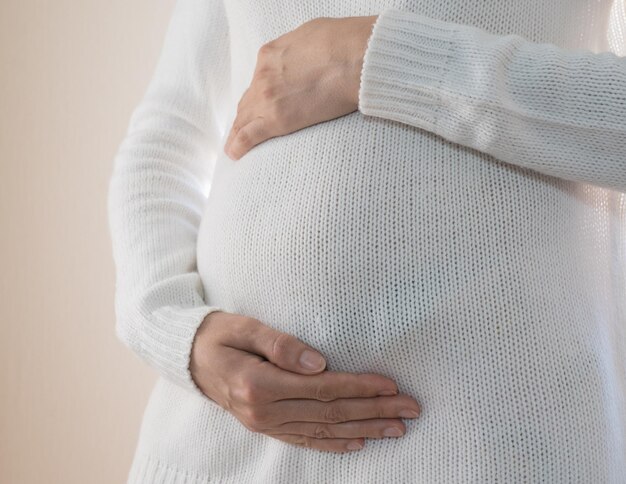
[(157, 192), (559, 112)]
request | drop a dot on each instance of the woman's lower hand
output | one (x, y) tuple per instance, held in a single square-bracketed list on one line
[(306, 76), (255, 372)]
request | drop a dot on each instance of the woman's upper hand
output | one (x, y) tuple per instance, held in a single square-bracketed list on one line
[(256, 373), (306, 76)]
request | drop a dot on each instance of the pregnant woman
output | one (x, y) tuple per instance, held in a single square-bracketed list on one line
[(426, 200)]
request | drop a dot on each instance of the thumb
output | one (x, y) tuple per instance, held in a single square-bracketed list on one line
[(283, 349)]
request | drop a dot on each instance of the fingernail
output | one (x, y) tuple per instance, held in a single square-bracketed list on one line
[(408, 413), (355, 445), (311, 360), (387, 392), (392, 432)]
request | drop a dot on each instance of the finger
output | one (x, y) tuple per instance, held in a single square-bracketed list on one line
[(281, 349), (354, 429), (341, 410), (278, 384), (250, 135), (241, 119), (237, 124), (329, 445)]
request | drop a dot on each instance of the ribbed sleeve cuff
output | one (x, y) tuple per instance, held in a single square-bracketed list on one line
[(167, 342), (404, 66)]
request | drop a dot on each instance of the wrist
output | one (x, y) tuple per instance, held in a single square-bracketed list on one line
[(362, 34)]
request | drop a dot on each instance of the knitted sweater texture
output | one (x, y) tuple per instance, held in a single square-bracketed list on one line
[(463, 233)]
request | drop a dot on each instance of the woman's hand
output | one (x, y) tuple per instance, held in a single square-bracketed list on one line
[(306, 76), (255, 372)]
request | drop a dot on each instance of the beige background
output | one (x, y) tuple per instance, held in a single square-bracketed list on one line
[(71, 395)]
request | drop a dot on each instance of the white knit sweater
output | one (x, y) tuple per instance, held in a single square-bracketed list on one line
[(463, 233)]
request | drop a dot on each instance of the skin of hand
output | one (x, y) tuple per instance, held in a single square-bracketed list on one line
[(254, 372), (304, 77)]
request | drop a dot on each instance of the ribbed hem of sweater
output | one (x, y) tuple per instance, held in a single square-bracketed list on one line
[(149, 470), (167, 342), (404, 66)]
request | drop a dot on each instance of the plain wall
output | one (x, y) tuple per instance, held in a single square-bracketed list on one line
[(71, 395)]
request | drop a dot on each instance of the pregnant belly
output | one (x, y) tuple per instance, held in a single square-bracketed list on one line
[(360, 228), (393, 251), (367, 237), (322, 234)]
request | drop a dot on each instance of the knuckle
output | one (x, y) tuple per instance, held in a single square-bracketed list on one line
[(262, 71), (266, 48), (323, 393), (247, 390), (280, 346), (267, 91), (243, 137), (381, 413), (322, 431), (255, 394), (334, 413)]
